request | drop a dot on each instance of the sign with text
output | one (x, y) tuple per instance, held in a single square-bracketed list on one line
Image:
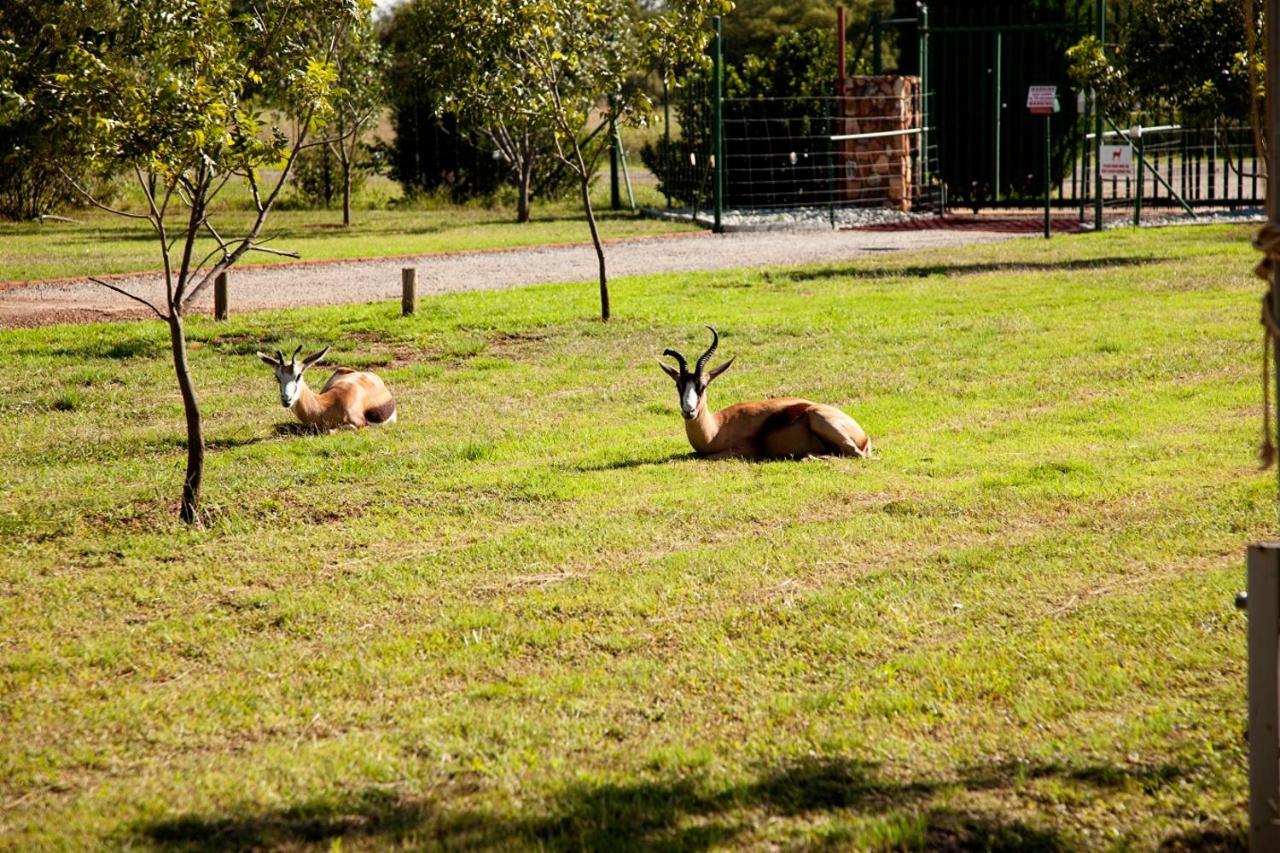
[(1117, 161), (1042, 100)]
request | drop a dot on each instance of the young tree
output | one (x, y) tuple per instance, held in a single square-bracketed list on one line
[(1174, 55), (167, 97), (438, 59), (36, 37), (361, 92), (576, 67)]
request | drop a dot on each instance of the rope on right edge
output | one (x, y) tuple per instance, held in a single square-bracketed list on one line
[(1267, 241)]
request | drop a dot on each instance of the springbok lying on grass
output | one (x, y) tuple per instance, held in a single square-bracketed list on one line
[(349, 400), (783, 427)]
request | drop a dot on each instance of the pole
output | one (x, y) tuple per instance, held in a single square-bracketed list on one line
[(1097, 127), (220, 297), (615, 193), (833, 153), (666, 137), (1264, 559), (924, 94), (408, 291), (717, 130), (840, 51), (626, 171), (997, 95), (877, 58), (1047, 182), (1263, 605), (1081, 166), (1273, 197), (1137, 200)]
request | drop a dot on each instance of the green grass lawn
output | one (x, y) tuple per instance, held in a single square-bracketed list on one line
[(99, 242), (525, 616)]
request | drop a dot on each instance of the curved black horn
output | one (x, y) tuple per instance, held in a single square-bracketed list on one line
[(280, 357), (706, 356), (294, 357), (684, 365)]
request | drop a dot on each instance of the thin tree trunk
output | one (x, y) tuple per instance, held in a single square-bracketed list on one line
[(595, 238), (195, 430), (526, 179), (346, 192)]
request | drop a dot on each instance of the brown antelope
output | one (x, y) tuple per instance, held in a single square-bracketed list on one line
[(782, 427), (349, 400)]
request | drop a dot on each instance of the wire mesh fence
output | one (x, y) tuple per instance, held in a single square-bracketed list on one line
[(1179, 167), (786, 153), (887, 141)]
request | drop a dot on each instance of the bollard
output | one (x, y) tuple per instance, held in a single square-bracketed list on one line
[(409, 291), (220, 297), (1263, 606)]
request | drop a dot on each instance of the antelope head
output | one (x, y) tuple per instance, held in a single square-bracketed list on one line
[(289, 373), (692, 385)]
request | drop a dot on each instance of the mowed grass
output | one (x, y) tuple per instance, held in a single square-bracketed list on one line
[(525, 616), (100, 242)]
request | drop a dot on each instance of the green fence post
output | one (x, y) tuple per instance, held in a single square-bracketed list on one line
[(1137, 201), (1097, 127), (666, 137), (998, 95), (877, 58), (924, 95), (717, 130), (1083, 163), (1048, 182)]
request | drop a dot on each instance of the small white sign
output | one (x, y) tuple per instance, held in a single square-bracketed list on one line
[(1117, 161), (1040, 98)]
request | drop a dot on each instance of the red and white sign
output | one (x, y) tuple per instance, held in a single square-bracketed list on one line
[(1117, 161), (1040, 99)]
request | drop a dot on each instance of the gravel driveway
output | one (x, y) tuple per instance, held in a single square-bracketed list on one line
[(340, 282)]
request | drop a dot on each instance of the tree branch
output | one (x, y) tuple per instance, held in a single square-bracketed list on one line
[(124, 292), (256, 247), (88, 196)]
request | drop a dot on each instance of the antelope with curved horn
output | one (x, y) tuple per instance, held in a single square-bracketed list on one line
[(781, 427), (349, 400)]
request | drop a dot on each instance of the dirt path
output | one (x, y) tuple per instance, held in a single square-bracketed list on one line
[(344, 282)]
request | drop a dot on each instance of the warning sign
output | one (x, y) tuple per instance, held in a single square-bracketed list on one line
[(1042, 100), (1117, 161)]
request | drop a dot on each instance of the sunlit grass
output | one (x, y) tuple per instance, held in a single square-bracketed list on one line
[(524, 616)]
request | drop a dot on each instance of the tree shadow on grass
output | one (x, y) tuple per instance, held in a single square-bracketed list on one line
[(1215, 840), (680, 814), (638, 462), (374, 814), (962, 269)]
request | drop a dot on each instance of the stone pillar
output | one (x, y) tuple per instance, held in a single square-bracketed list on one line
[(876, 172)]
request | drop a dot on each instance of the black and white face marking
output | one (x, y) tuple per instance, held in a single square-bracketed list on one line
[(691, 386), (289, 373), (690, 390), (290, 378)]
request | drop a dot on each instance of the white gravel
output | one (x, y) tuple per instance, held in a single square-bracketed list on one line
[(794, 218), (1180, 217), (333, 283)]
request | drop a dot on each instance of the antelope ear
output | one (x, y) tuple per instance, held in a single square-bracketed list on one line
[(670, 371), (268, 359), (312, 359), (718, 370)]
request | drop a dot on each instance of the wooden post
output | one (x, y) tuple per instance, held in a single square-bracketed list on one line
[(220, 297), (1264, 561), (1264, 696), (409, 291)]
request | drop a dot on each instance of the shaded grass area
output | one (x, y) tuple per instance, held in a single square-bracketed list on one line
[(526, 616), (99, 243)]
